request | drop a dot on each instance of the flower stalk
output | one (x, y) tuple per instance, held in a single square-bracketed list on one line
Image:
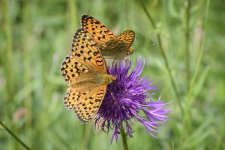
[(124, 138), (164, 57), (14, 136), (187, 40)]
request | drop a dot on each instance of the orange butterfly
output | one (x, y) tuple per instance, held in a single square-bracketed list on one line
[(110, 45), (85, 72)]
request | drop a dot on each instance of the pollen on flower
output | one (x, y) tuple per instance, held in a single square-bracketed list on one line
[(126, 97)]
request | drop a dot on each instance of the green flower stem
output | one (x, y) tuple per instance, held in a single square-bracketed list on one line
[(124, 139), (72, 11), (164, 57), (86, 136), (187, 7), (198, 60), (7, 49), (14, 136), (202, 44)]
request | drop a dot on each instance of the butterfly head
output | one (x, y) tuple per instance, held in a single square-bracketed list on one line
[(130, 51), (110, 79)]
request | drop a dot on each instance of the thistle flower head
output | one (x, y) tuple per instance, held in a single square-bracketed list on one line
[(126, 97)]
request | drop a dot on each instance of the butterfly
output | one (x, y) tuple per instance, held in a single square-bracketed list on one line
[(85, 72), (110, 45)]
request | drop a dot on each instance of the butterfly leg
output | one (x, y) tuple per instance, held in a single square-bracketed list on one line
[(112, 95)]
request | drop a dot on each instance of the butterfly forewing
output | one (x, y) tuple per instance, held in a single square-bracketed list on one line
[(73, 70), (98, 30), (86, 50)]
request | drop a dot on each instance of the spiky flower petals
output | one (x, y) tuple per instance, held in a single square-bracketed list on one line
[(126, 98)]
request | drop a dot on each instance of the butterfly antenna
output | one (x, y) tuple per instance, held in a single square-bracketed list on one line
[(114, 60)]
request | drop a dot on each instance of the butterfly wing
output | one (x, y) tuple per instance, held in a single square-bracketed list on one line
[(127, 37), (109, 44), (84, 94), (79, 69), (98, 31), (113, 48), (75, 71), (85, 103), (85, 49), (119, 46)]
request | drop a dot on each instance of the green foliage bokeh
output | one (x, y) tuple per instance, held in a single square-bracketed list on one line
[(35, 36)]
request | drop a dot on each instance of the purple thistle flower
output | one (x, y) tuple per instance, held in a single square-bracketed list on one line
[(126, 97)]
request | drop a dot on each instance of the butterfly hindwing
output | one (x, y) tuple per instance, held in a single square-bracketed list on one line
[(85, 103), (113, 48), (120, 46)]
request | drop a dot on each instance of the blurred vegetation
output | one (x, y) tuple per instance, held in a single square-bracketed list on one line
[(35, 36)]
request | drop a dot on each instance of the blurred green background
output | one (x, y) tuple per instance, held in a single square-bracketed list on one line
[(35, 36)]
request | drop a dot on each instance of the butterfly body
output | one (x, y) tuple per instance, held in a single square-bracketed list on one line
[(85, 72), (95, 80), (110, 45)]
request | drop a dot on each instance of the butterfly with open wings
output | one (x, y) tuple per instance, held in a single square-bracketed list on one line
[(85, 72)]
